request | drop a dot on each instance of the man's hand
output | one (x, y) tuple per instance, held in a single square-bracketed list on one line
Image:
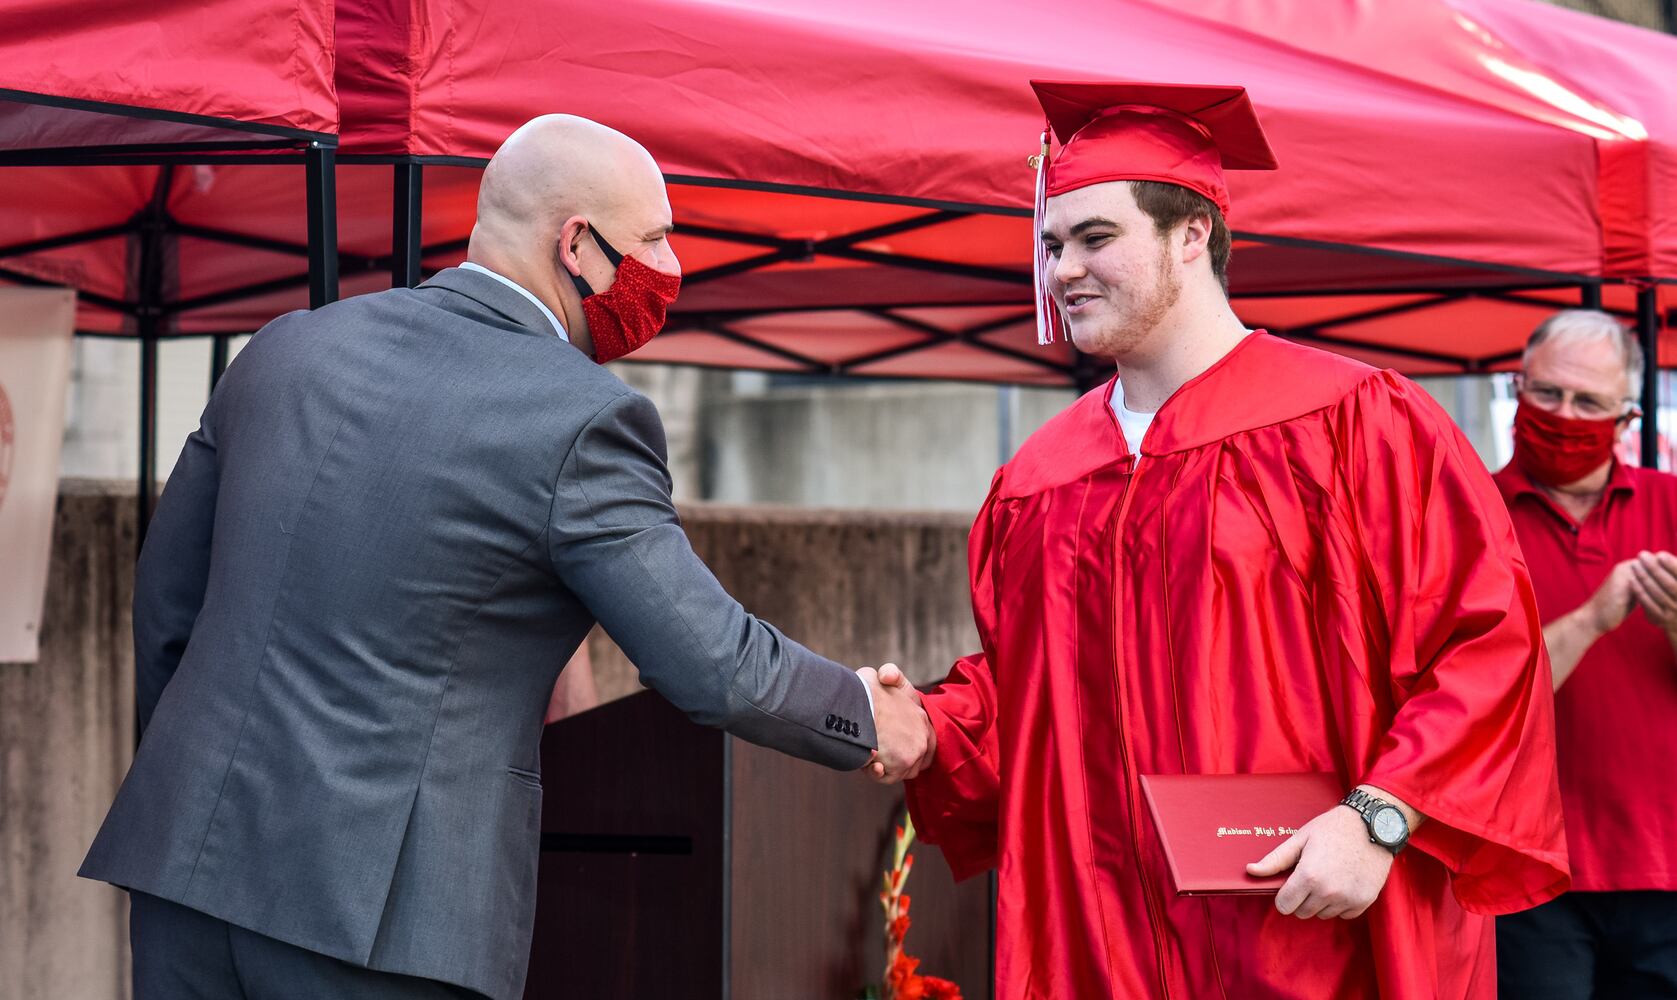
[(1654, 583), (1337, 870), (904, 731), (1571, 635), (1614, 600)]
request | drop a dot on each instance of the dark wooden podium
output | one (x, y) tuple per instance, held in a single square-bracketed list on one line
[(679, 862)]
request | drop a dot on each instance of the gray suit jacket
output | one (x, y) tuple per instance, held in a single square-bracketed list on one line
[(399, 517)]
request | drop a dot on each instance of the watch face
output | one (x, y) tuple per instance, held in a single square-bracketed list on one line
[(1389, 826)]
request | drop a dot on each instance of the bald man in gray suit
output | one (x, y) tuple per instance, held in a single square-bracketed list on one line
[(399, 516)]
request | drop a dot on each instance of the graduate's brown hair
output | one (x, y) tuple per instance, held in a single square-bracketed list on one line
[(1170, 205)]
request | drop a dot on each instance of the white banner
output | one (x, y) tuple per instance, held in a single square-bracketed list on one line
[(36, 327)]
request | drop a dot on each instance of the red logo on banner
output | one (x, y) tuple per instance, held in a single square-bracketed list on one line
[(8, 434)]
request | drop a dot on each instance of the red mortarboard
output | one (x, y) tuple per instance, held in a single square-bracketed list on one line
[(1179, 134)]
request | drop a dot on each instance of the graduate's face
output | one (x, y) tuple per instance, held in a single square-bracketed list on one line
[(1112, 274)]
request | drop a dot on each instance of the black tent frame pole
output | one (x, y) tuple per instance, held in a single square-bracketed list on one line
[(1589, 296), (151, 230), (407, 214), (218, 357), (1648, 332), (148, 427), (1086, 371), (320, 166)]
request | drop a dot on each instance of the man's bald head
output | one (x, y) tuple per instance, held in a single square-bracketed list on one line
[(558, 166), (553, 182)]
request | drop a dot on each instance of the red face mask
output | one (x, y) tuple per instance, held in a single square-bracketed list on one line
[(1555, 450), (624, 317)]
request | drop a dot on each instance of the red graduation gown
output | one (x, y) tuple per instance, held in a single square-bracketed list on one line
[(1308, 569)]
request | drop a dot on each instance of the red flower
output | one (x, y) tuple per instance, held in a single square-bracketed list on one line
[(901, 980)]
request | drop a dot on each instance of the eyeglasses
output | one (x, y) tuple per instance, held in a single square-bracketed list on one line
[(1587, 405)]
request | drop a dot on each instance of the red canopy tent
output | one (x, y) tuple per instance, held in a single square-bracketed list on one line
[(136, 100), (1419, 223), (1628, 69), (131, 102), (183, 75), (851, 187)]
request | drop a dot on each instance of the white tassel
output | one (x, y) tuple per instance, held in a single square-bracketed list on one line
[(1048, 318)]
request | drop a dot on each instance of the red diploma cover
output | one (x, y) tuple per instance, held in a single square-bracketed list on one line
[(1213, 825)]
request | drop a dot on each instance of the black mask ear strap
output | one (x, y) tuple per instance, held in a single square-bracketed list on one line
[(606, 248), (582, 286)]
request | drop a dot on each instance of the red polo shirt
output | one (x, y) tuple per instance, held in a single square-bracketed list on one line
[(1616, 715)]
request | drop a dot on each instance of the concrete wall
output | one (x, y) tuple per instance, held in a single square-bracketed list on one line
[(66, 738), (917, 446), (1643, 13), (733, 437), (913, 446)]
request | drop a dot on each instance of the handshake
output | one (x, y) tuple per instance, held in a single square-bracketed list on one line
[(901, 726)]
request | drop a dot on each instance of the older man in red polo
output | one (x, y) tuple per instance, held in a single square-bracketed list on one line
[(1599, 537)]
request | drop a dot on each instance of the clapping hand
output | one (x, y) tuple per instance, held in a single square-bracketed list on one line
[(904, 731), (1654, 584)]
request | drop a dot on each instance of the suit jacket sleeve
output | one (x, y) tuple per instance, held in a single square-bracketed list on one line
[(616, 542), (174, 568)]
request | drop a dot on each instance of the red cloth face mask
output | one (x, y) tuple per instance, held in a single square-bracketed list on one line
[(1555, 450), (624, 317)]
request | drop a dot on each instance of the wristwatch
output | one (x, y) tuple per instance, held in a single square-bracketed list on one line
[(1386, 825)]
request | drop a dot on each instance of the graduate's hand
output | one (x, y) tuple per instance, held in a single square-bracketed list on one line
[(1337, 870), (1653, 579), (902, 727)]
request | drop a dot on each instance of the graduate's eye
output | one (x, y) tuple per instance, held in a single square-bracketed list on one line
[(1097, 239), (1052, 248)]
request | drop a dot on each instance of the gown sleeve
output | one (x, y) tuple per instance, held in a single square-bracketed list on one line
[(1471, 743), (955, 801)]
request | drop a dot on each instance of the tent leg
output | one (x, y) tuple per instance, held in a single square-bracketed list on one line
[(406, 217), (148, 432), (154, 247), (218, 358), (1648, 332), (321, 169), (1589, 296), (1086, 372)]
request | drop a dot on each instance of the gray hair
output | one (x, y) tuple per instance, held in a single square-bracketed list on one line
[(1579, 325)]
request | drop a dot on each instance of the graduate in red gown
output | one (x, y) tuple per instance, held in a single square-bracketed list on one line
[(1243, 556)]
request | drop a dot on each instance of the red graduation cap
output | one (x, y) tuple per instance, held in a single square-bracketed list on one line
[(1182, 134)]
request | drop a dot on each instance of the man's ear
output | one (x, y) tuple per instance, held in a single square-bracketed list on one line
[(570, 237), (1196, 237)]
